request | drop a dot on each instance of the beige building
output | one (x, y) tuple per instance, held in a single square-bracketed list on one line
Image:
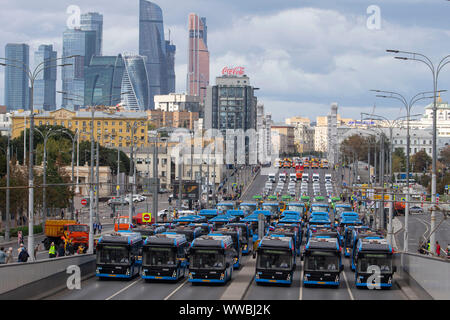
[(177, 102), (173, 119), (303, 133), (321, 131), (283, 136)]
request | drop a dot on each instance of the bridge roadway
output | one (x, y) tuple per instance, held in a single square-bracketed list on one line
[(138, 289)]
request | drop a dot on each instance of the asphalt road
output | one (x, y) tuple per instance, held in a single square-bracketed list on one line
[(138, 289)]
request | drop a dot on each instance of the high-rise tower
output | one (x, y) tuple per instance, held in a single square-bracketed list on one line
[(198, 65), (44, 96), (17, 91)]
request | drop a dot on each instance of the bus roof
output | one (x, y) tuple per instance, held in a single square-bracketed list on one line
[(274, 241), (121, 237), (166, 238), (213, 240), (374, 244), (235, 212), (222, 218), (322, 243)]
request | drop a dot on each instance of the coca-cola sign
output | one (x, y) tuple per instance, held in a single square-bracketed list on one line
[(237, 71)]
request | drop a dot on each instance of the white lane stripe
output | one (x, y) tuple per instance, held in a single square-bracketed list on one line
[(120, 291), (175, 291), (348, 287), (300, 297)]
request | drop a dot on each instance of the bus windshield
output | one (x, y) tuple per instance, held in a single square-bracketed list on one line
[(375, 259), (159, 257), (274, 259), (207, 259), (118, 255), (247, 209), (318, 209), (78, 228), (348, 238), (294, 208), (123, 220), (272, 209), (322, 261), (339, 210), (224, 207)]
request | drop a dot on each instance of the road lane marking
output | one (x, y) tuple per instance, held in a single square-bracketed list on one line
[(120, 291), (301, 281), (348, 287), (175, 291)]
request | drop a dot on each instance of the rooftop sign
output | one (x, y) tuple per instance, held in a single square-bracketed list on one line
[(237, 71)]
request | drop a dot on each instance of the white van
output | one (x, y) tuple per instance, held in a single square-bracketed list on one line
[(271, 177), (282, 177), (316, 177), (328, 177), (305, 177), (293, 177)]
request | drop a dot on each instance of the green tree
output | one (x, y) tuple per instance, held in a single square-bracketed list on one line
[(445, 156), (398, 160), (420, 161)]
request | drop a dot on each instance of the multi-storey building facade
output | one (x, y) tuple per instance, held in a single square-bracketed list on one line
[(44, 94), (17, 90), (177, 102), (93, 21)]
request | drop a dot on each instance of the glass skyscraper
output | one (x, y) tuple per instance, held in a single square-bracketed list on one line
[(153, 46), (44, 96), (135, 81), (103, 80), (17, 90), (82, 43), (93, 21), (170, 51)]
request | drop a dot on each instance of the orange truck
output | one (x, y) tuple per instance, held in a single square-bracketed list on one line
[(58, 230), (399, 207)]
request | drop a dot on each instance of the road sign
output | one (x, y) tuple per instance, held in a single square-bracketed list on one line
[(118, 187), (446, 187), (84, 202), (147, 217)]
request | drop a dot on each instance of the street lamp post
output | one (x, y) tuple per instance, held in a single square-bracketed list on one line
[(435, 73), (408, 106)]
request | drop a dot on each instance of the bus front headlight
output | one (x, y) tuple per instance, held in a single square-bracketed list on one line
[(128, 272), (174, 274), (190, 275), (288, 277), (222, 275)]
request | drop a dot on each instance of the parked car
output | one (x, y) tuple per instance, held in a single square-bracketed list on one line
[(416, 209), (163, 190), (117, 201)]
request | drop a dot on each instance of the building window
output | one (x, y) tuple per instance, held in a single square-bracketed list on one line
[(99, 123), (106, 123), (113, 123), (40, 123)]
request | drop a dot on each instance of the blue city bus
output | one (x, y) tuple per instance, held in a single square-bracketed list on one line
[(275, 262), (363, 234), (295, 206), (211, 259), (223, 207), (273, 208), (239, 214), (372, 254), (185, 220), (150, 230), (119, 255), (246, 236), (268, 214), (206, 227), (248, 207), (235, 234), (323, 262), (339, 208), (208, 213), (190, 231), (349, 237), (252, 221), (321, 207), (164, 257), (221, 220), (288, 230), (348, 215), (295, 222)]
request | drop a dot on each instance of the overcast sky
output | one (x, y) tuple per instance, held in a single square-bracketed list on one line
[(302, 54)]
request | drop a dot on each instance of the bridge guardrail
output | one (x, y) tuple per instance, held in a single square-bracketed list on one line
[(32, 279), (431, 273)]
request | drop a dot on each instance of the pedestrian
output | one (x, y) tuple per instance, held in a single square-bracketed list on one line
[(3, 255), (9, 257), (19, 237), (36, 249), (76, 215), (100, 228), (438, 249), (94, 225), (23, 255), (62, 213), (52, 251), (61, 250)]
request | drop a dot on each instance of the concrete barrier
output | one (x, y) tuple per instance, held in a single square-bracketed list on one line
[(35, 280), (431, 274)]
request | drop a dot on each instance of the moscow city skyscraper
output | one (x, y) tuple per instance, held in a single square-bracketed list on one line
[(17, 90), (83, 44), (44, 96), (198, 63), (93, 21), (160, 56)]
